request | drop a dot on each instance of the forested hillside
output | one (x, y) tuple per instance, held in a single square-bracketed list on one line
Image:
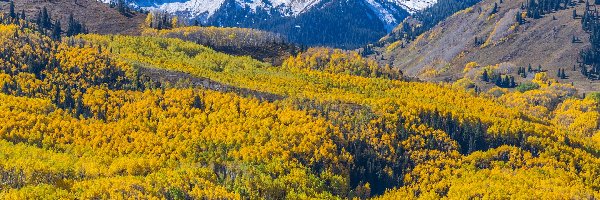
[(96, 116), (95, 16), (260, 45), (512, 38)]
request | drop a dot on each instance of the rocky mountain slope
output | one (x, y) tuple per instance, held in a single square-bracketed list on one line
[(477, 34), (97, 17)]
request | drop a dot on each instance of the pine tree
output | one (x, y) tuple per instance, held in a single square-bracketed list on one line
[(512, 82), (559, 74), (56, 31), (46, 19), (485, 76), (506, 81), (11, 10), (38, 21), (519, 18), (121, 7), (198, 102), (531, 8), (75, 27), (495, 9), (498, 81)]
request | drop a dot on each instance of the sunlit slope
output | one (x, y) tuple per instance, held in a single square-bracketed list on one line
[(98, 130), (345, 127), (475, 122)]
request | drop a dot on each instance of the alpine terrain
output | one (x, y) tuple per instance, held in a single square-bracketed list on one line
[(339, 23)]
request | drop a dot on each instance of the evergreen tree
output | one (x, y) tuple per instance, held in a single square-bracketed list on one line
[(11, 10), (498, 81), (485, 76), (198, 103), (56, 31), (122, 7), (512, 82), (506, 81), (559, 74), (75, 27), (495, 9), (46, 19), (519, 17)]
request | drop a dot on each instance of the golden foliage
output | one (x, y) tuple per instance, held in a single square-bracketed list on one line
[(81, 122)]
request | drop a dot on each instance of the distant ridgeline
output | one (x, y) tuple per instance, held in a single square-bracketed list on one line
[(334, 23), (339, 24)]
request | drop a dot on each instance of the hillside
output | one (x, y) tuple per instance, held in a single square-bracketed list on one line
[(118, 117), (97, 17), (441, 53), (260, 45)]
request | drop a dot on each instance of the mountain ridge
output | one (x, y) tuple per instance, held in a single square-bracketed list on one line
[(291, 17), (87, 11)]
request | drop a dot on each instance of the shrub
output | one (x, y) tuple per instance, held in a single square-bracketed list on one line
[(527, 86)]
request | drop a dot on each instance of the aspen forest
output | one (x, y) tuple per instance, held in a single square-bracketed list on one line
[(169, 114)]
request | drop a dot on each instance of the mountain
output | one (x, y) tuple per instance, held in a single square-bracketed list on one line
[(96, 16), (488, 34), (337, 23), (146, 117), (162, 116)]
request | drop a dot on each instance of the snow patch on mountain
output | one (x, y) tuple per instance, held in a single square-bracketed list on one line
[(204, 9), (384, 15), (413, 6), (296, 6)]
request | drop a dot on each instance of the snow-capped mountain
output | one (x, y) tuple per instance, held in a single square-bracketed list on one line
[(204, 9), (290, 16)]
